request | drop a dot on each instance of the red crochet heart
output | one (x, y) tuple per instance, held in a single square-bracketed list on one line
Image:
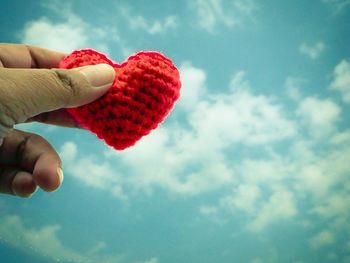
[(144, 91)]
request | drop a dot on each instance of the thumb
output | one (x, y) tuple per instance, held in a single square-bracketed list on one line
[(25, 93)]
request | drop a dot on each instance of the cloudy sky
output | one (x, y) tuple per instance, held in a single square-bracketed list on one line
[(251, 166)]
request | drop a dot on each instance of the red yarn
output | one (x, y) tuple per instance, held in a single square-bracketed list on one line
[(143, 93)]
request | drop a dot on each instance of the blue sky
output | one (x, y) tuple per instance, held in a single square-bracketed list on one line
[(251, 166)]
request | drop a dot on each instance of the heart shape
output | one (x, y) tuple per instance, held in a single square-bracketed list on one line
[(144, 91)]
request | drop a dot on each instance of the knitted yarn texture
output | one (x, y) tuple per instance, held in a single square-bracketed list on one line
[(144, 91)]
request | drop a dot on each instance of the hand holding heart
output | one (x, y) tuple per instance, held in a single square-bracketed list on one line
[(145, 89), (140, 93)]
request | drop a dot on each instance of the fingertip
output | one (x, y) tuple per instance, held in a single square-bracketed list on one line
[(48, 175), (23, 184), (48, 180)]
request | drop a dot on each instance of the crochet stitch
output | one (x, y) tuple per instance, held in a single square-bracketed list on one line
[(144, 91)]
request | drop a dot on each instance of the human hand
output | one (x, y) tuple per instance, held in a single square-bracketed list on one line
[(31, 91)]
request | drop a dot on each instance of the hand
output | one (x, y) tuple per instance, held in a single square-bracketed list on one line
[(31, 91)]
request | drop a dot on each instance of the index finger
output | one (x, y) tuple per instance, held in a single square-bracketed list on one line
[(26, 56), (30, 153)]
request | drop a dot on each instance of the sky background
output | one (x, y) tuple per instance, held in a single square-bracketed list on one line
[(251, 166)]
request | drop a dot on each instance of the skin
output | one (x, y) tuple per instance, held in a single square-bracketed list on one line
[(27, 160)]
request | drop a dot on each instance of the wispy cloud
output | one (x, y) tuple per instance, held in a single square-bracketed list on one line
[(323, 238), (43, 241), (245, 198), (304, 174), (212, 13), (152, 27), (312, 51), (46, 243), (341, 79), (293, 87), (320, 116), (280, 206), (93, 173)]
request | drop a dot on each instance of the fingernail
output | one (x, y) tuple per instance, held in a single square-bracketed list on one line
[(99, 76), (60, 175)]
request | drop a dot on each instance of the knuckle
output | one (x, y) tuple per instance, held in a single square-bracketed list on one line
[(68, 83), (7, 121)]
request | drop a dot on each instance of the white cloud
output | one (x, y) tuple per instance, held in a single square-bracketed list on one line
[(71, 32), (211, 13), (151, 27), (341, 137), (336, 205), (341, 81), (314, 180), (68, 151), (312, 51), (318, 173), (208, 210), (324, 238), (93, 173), (280, 206), (244, 198), (215, 124), (164, 163), (272, 170), (239, 117), (189, 158), (238, 82), (193, 86), (245, 6), (320, 116), (66, 36), (45, 242), (301, 172), (206, 150)]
